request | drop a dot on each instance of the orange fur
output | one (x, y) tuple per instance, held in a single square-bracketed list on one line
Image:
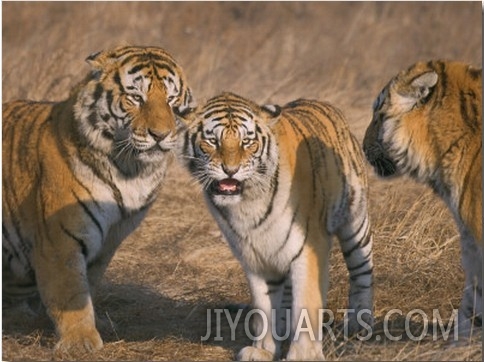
[(80, 175), (281, 182), (427, 124)]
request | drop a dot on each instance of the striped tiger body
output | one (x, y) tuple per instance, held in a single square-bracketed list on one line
[(280, 182), (79, 176), (427, 124)]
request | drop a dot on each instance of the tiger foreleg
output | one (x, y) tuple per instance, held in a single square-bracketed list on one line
[(470, 311), (266, 298), (65, 292), (356, 244), (309, 277)]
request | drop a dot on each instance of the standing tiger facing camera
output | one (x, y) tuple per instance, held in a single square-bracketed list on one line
[(281, 182), (427, 124), (80, 175)]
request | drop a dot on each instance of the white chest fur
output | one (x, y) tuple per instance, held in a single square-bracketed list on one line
[(264, 234)]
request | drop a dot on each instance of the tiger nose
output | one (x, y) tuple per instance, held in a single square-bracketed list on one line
[(158, 136), (230, 170)]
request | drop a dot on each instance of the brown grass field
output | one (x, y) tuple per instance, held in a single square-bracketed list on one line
[(156, 292)]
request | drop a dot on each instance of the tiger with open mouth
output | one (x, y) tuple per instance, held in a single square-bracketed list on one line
[(281, 182)]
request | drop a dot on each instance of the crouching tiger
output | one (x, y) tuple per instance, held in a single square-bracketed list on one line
[(280, 182), (427, 124), (79, 176)]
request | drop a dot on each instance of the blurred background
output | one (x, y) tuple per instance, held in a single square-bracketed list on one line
[(267, 51)]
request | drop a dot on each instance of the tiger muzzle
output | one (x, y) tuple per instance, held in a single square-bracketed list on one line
[(157, 135), (227, 187)]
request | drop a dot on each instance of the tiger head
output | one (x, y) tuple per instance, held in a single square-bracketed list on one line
[(231, 149), (415, 118), (132, 103)]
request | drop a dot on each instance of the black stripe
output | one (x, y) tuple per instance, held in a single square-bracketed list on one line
[(117, 80), (138, 67), (360, 287), (226, 113), (265, 141), (225, 217), (98, 92), (469, 110), (352, 268), (346, 239), (289, 230), (110, 101), (128, 58), (276, 283), (443, 81), (14, 253), (93, 120), (467, 176), (297, 129), (449, 149), (90, 214), (97, 166), (164, 64), (193, 164), (28, 131), (366, 272), (275, 187), (298, 254), (474, 73), (41, 178), (88, 191), (81, 242), (360, 244)]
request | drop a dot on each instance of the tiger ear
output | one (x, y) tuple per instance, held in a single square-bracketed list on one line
[(192, 117), (98, 60), (423, 84), (416, 92), (272, 113)]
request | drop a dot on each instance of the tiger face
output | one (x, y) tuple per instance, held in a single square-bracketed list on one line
[(394, 138), (133, 103), (413, 126), (229, 149)]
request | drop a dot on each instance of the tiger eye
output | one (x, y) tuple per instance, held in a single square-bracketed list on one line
[(138, 98)]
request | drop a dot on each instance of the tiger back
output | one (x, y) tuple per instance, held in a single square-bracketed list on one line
[(80, 175), (280, 183), (427, 124)]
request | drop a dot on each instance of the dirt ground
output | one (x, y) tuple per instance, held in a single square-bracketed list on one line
[(176, 266)]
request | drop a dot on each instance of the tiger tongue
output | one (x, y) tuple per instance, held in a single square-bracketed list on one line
[(228, 185)]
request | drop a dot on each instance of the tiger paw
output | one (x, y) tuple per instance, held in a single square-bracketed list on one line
[(359, 325), (78, 342), (300, 352), (254, 354)]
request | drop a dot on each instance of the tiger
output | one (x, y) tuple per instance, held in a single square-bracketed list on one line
[(280, 182), (80, 175), (427, 124)]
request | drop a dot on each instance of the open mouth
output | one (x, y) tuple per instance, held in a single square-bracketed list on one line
[(228, 187)]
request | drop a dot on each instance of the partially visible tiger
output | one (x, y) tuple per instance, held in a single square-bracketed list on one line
[(281, 182), (427, 123), (80, 175)]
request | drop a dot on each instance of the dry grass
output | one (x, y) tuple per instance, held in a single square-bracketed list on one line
[(176, 265)]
